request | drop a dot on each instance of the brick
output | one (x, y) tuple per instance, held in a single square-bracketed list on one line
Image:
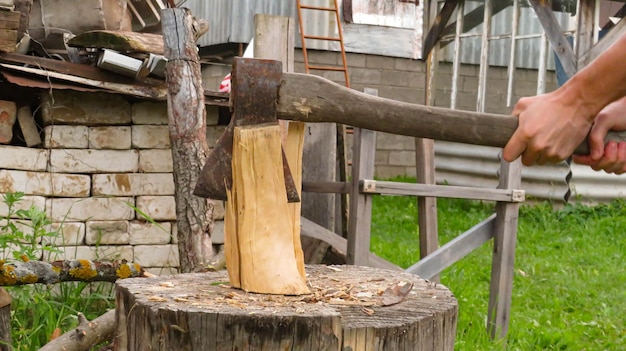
[(156, 255), (146, 233), (69, 234), (416, 80), (158, 208), (162, 271), (213, 133), (129, 184), (402, 158), (66, 137), (82, 108), (375, 61), (151, 137), (24, 158), (387, 172), (381, 158), (39, 202), (8, 116), (355, 60), (155, 161), (28, 126), (148, 112), (386, 141), (49, 184), (217, 235), (117, 252), (90, 209), (335, 76), (366, 76), (404, 64), (94, 161), (107, 233), (22, 226), (323, 57), (174, 233), (115, 138), (405, 94)]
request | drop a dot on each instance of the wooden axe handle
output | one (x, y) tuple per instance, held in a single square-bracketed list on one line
[(309, 98)]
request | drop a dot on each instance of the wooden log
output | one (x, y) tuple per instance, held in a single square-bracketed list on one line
[(120, 41), (8, 115), (28, 126), (349, 308), (259, 230), (86, 335), (187, 121)]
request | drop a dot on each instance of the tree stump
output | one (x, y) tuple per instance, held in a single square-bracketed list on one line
[(349, 308)]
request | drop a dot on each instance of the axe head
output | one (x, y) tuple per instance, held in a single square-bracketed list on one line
[(253, 100)]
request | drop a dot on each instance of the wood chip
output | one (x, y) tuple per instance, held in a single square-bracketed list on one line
[(396, 293)]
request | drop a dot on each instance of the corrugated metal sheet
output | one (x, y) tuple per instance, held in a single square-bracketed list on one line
[(591, 186), (232, 21)]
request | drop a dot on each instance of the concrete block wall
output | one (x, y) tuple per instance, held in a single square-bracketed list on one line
[(103, 157)]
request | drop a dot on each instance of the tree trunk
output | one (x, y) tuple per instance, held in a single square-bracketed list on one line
[(349, 308), (5, 320), (185, 107)]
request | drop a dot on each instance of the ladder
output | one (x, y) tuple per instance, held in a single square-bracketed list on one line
[(342, 130)]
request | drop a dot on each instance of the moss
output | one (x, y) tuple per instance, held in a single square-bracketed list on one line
[(29, 279), (123, 271), (83, 271), (138, 268), (7, 275)]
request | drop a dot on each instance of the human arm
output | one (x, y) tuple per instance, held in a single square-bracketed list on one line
[(610, 157), (553, 124)]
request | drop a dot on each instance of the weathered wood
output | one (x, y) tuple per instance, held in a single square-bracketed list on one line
[(187, 121), (553, 30), (454, 250), (601, 46), (326, 187), (313, 230), (502, 268), (449, 191), (259, 231), (86, 335), (8, 116), (123, 41), (39, 272), (310, 98), (5, 320), (437, 26), (293, 151), (200, 311)]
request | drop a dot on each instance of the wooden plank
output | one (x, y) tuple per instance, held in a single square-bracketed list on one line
[(122, 41), (360, 214), (475, 17), (601, 46), (585, 26), (316, 231), (510, 74), (557, 39), (456, 61), (438, 25), (484, 58), (454, 250), (502, 268), (326, 187), (447, 191)]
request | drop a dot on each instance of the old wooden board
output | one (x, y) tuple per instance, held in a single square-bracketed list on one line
[(119, 41), (345, 311)]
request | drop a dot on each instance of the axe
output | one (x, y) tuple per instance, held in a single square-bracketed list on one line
[(262, 93)]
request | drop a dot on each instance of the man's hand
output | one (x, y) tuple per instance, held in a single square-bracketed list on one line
[(610, 157), (550, 127)]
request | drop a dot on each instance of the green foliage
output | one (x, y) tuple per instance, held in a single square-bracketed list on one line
[(568, 291), (37, 310)]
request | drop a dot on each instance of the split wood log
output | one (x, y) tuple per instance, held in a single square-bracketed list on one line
[(5, 320), (119, 40), (187, 122), (259, 232), (86, 335), (33, 272), (349, 308)]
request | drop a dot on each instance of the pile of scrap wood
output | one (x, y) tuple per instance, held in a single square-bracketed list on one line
[(89, 45)]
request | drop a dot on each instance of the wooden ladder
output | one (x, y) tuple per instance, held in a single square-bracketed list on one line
[(342, 130)]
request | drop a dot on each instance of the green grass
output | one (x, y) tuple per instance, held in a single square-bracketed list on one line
[(569, 289)]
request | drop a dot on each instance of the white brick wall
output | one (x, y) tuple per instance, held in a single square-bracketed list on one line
[(27, 201), (146, 233), (39, 183), (66, 137), (70, 233), (24, 158), (151, 137), (155, 160), (130, 184), (156, 255), (148, 112), (93, 161), (114, 138), (158, 208), (104, 252), (107, 232), (90, 209)]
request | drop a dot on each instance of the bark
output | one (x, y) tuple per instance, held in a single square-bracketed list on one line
[(86, 335), (33, 272), (187, 122)]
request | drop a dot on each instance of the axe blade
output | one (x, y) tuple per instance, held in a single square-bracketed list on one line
[(253, 98)]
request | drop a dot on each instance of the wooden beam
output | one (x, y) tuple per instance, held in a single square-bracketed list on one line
[(454, 250), (326, 187), (438, 25), (447, 191), (316, 231), (122, 41), (557, 39), (475, 17), (601, 46)]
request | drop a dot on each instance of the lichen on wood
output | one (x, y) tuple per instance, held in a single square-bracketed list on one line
[(32, 272)]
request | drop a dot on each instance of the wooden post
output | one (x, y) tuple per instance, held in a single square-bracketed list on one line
[(199, 311), (186, 115)]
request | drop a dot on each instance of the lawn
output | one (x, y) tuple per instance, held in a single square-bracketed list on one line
[(569, 289)]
